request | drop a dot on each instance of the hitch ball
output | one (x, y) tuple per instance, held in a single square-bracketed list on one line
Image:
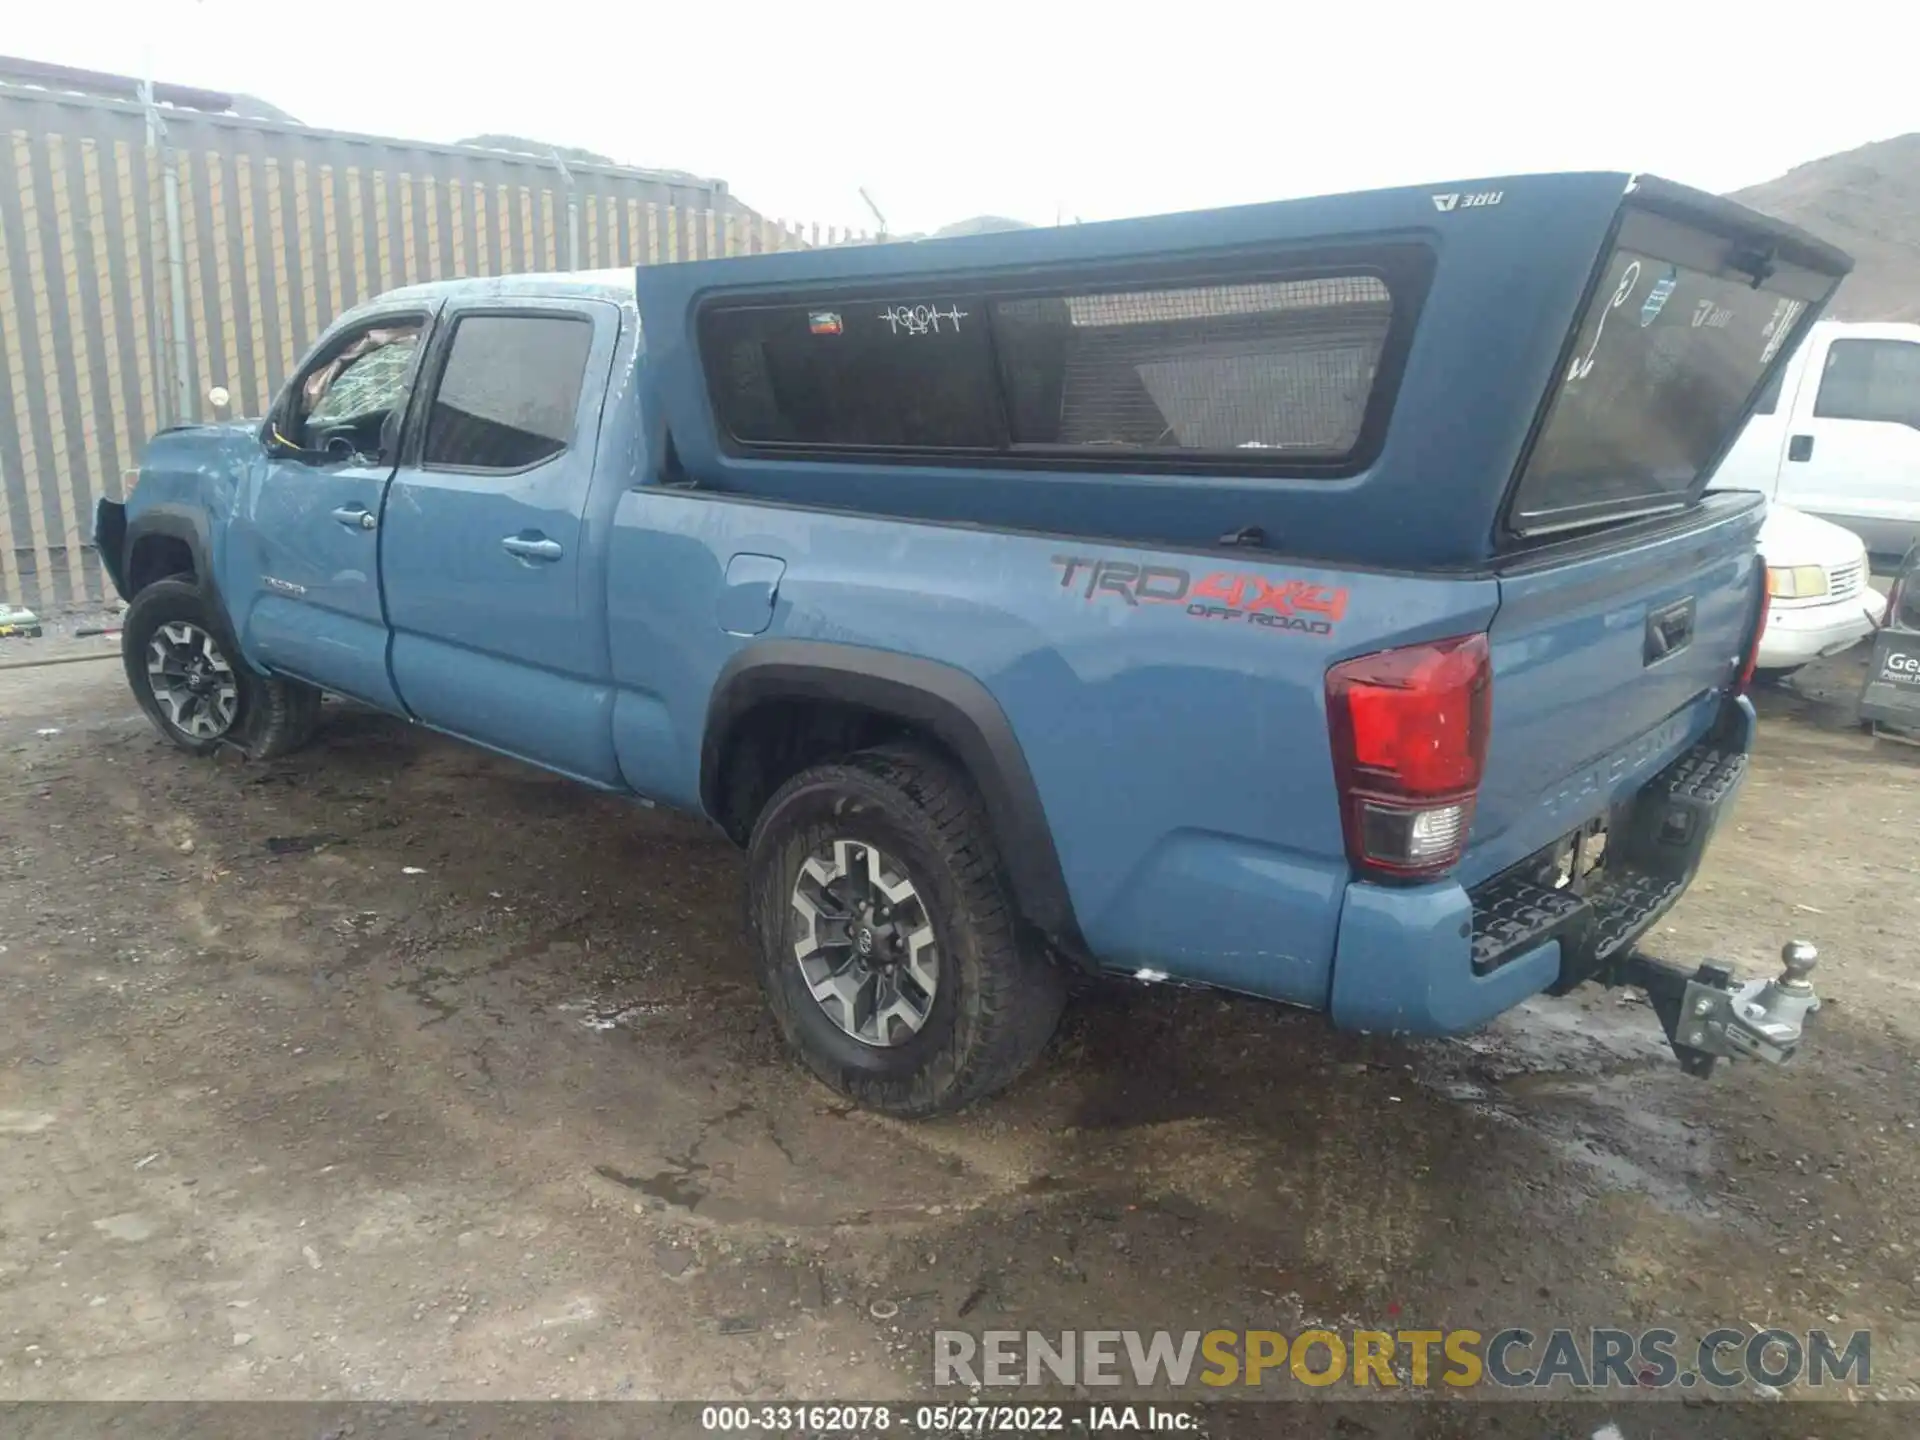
[(1799, 958)]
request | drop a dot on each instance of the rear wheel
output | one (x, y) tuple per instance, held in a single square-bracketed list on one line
[(187, 674), (886, 940)]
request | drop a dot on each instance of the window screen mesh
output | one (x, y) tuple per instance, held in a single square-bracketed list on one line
[(1269, 365)]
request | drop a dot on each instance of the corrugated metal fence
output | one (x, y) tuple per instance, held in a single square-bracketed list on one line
[(125, 296)]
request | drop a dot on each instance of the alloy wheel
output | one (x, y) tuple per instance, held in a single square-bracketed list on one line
[(193, 681), (864, 942)]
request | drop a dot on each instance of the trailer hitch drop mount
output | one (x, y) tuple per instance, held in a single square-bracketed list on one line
[(1709, 1016)]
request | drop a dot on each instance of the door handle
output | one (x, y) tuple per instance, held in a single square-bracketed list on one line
[(355, 517), (1800, 447), (1668, 632), (532, 547)]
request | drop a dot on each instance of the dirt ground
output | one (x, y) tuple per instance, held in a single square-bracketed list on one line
[(395, 1070)]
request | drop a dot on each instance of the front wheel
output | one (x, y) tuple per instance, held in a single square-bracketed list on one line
[(885, 936), (187, 674)]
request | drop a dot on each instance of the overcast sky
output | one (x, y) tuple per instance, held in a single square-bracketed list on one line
[(946, 109)]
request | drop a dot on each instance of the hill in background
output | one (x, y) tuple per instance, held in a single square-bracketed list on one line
[(1866, 201)]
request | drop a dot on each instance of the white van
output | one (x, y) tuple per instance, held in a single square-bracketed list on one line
[(1838, 434)]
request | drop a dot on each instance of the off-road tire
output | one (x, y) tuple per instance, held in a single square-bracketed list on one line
[(999, 996), (275, 716)]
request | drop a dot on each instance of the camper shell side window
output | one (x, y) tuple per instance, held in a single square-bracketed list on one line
[(1286, 366)]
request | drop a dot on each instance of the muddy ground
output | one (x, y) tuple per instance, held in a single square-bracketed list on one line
[(396, 1070)]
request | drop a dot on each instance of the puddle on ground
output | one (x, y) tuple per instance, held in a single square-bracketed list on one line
[(603, 1015), (1618, 1172), (1585, 1080), (752, 1174), (1549, 1036), (678, 1187)]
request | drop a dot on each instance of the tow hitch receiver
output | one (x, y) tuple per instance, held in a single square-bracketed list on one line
[(1708, 1017)]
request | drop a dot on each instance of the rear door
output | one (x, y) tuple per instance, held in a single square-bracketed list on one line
[(484, 534), (1853, 456), (1626, 601)]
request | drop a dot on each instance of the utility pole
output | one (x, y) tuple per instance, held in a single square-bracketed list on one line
[(184, 404), (573, 212)]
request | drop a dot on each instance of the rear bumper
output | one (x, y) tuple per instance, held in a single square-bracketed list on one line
[(1440, 959), (1801, 635), (1404, 963)]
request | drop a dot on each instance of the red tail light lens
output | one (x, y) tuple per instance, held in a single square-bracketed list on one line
[(1757, 633), (1409, 731)]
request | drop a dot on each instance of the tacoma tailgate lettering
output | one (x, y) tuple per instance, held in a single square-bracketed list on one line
[(1599, 780)]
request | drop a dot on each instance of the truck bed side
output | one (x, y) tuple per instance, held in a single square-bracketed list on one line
[(1184, 758)]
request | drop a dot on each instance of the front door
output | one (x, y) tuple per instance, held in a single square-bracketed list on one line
[(498, 611), (302, 576)]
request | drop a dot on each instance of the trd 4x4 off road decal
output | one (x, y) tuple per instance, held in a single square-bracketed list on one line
[(1297, 605)]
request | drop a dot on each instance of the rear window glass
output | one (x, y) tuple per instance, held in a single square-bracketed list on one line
[(1254, 371), (1660, 374)]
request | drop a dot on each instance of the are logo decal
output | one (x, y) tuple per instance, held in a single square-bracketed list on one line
[(1479, 200), (1238, 597)]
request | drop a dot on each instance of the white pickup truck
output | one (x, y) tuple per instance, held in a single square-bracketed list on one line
[(1838, 434)]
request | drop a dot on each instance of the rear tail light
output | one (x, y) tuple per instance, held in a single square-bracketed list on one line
[(1409, 731), (128, 479), (1756, 633)]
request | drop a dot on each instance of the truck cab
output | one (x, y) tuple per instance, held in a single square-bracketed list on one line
[(1836, 434)]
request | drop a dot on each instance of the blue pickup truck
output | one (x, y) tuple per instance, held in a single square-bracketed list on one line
[(1322, 601)]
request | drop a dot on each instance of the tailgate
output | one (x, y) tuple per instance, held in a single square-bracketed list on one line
[(1607, 663), (1628, 598)]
